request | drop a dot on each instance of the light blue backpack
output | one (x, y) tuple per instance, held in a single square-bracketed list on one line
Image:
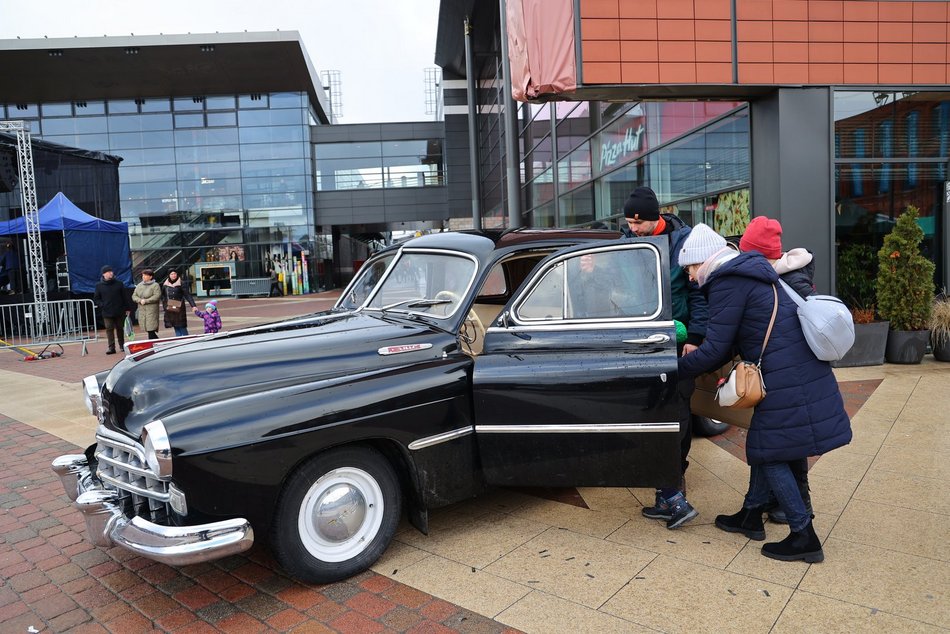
[(826, 322)]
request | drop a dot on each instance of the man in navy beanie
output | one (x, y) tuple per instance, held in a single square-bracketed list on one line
[(642, 211)]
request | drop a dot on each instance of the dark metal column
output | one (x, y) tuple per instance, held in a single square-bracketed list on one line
[(472, 98), (555, 188), (792, 171), (511, 127)]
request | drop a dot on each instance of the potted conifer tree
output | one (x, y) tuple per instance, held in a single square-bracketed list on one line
[(857, 283), (905, 290)]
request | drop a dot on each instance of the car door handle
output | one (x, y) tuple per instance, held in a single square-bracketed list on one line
[(657, 338)]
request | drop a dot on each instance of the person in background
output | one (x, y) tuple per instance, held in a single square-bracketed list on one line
[(148, 295), (796, 268), (109, 298), (174, 292), (642, 211), (10, 266), (275, 288), (802, 413), (210, 316)]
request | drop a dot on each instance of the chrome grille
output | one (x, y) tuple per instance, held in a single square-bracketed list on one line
[(122, 467)]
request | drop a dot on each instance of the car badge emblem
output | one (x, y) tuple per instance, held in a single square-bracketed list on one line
[(412, 347)]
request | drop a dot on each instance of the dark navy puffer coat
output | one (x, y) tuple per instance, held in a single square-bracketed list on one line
[(802, 413)]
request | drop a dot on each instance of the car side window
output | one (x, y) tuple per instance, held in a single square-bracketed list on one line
[(546, 300), (609, 284), (495, 283)]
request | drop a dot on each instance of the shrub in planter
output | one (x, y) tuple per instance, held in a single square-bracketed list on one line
[(857, 282), (940, 328), (905, 289)]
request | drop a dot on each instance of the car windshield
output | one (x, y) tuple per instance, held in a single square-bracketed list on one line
[(366, 280), (424, 282)]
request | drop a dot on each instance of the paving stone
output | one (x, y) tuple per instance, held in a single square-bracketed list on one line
[(216, 611), (261, 606)]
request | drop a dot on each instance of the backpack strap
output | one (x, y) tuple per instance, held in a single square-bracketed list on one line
[(792, 293), (768, 332)]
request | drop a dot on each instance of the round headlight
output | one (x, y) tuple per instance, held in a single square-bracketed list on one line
[(91, 394), (158, 450)]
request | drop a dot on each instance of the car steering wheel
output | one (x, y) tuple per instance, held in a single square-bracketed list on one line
[(447, 295), (472, 328)]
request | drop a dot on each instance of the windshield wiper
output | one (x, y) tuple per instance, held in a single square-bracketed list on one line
[(418, 302)]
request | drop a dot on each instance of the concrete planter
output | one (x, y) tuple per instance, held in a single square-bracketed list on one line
[(906, 346), (870, 341)]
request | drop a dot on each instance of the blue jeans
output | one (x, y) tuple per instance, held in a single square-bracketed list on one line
[(181, 331), (777, 477)]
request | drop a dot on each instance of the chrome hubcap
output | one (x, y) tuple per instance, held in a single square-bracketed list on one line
[(339, 513)]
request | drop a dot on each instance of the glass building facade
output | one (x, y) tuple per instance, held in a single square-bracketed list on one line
[(891, 151), (209, 178), (581, 160), (379, 164)]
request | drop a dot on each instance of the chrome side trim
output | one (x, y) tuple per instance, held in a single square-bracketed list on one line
[(429, 441), (571, 325), (608, 428)]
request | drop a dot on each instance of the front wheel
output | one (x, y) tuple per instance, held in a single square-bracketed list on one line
[(703, 426), (336, 515)]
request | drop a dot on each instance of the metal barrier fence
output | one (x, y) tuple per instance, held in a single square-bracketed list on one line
[(66, 321)]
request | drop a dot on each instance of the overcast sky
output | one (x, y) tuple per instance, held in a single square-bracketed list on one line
[(381, 47)]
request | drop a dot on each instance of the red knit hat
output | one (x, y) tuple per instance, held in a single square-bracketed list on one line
[(763, 235)]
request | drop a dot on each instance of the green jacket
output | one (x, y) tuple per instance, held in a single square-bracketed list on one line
[(151, 292)]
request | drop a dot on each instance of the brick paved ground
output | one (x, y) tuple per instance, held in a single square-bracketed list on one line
[(56, 581)]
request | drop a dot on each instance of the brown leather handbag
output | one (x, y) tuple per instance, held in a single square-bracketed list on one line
[(744, 387)]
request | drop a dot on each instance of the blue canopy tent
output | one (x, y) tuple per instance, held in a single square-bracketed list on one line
[(90, 242)]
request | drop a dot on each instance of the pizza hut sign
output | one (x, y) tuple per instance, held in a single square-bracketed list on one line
[(613, 151)]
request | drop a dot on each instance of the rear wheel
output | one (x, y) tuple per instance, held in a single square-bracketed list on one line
[(337, 514)]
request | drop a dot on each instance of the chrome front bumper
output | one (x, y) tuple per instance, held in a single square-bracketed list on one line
[(175, 545)]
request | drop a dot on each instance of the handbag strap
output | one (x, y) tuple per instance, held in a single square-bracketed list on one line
[(771, 323)]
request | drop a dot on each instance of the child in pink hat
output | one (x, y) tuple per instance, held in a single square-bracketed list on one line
[(211, 317)]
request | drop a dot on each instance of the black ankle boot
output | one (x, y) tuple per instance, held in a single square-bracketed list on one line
[(803, 544), (746, 521)]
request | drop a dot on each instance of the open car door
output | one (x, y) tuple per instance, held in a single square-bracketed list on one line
[(576, 384)]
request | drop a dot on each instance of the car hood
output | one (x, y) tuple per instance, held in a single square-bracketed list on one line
[(280, 355)]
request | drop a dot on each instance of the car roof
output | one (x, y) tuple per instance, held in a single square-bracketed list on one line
[(482, 243)]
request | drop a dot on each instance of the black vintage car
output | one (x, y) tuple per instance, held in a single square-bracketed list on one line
[(453, 362)]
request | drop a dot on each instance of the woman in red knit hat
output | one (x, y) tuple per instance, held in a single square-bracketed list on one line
[(797, 269)]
